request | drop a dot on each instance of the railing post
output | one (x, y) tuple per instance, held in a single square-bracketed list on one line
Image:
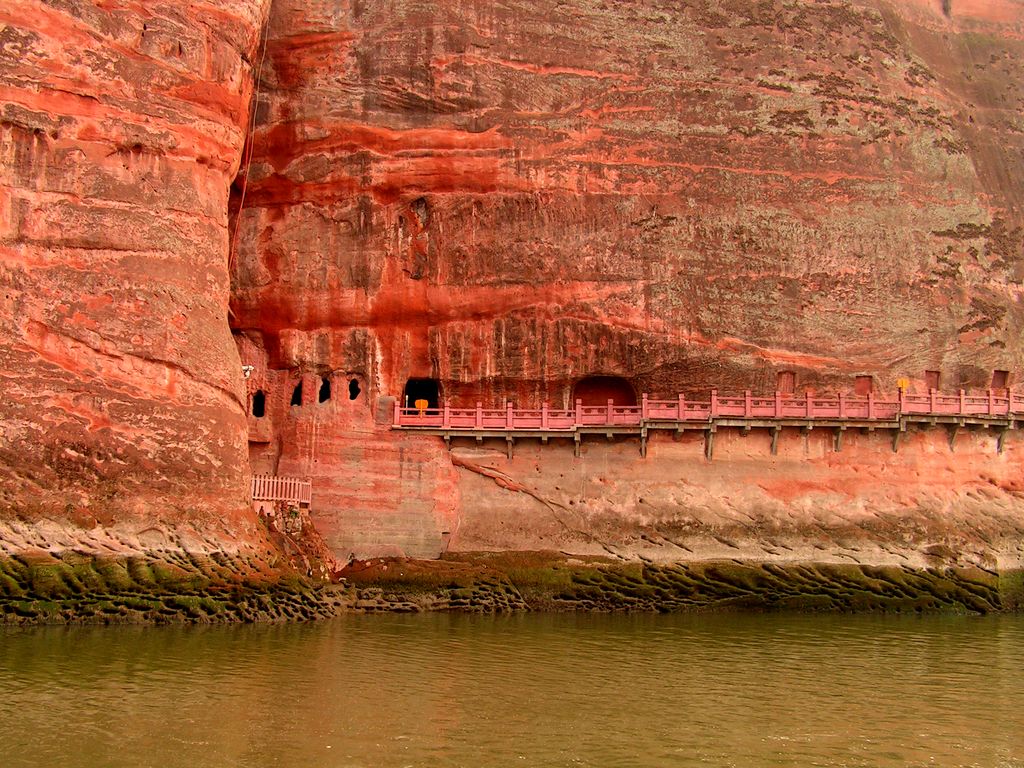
[(900, 406), (991, 402), (446, 418), (963, 404), (479, 415), (807, 403), (778, 404), (643, 407), (871, 405), (931, 400), (544, 415), (398, 412), (579, 412), (508, 414), (609, 417), (714, 403), (682, 408), (746, 403), (842, 405)]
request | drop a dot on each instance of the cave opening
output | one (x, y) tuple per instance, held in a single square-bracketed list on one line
[(353, 389), (297, 394), (259, 404), (422, 390), (1000, 379), (325, 390), (598, 390)]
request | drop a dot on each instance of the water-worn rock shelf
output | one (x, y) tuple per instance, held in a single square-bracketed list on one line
[(495, 582), (82, 589)]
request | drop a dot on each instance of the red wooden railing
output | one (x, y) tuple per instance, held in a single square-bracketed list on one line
[(746, 406), (273, 488)]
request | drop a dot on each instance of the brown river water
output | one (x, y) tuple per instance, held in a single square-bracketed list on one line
[(524, 690)]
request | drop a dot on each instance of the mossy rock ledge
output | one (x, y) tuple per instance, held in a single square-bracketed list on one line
[(548, 581), (74, 588)]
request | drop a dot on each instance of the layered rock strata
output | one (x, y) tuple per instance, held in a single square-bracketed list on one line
[(122, 424), (491, 201), (506, 198)]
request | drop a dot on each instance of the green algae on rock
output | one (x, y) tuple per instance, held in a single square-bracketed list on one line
[(495, 582), (73, 588)]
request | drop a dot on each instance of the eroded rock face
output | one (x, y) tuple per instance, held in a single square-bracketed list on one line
[(507, 197), (122, 425), (503, 198)]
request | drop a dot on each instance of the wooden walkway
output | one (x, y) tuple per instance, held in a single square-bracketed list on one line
[(1000, 411)]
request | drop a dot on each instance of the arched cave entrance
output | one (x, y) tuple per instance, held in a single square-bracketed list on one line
[(422, 389), (598, 390)]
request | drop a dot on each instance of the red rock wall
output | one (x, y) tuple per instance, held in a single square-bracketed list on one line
[(925, 506), (121, 398), (509, 197)]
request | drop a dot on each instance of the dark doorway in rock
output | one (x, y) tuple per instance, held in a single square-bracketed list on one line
[(598, 390), (1000, 379), (932, 379), (863, 385), (353, 389), (297, 394), (785, 382), (325, 390), (259, 404), (422, 390)]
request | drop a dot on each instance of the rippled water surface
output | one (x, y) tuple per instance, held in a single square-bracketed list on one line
[(447, 690)]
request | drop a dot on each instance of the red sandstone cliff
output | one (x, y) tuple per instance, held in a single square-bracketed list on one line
[(121, 399), (508, 197), (504, 197)]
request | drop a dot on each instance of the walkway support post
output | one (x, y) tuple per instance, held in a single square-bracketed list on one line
[(643, 407), (842, 407), (963, 403), (508, 414), (682, 408), (398, 411), (479, 415), (991, 402), (446, 417), (608, 417), (746, 404), (931, 400), (778, 404), (714, 403), (871, 405), (807, 403), (544, 416), (579, 412)]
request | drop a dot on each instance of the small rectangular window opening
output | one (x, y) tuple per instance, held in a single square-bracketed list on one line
[(932, 380), (1000, 379), (864, 385)]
